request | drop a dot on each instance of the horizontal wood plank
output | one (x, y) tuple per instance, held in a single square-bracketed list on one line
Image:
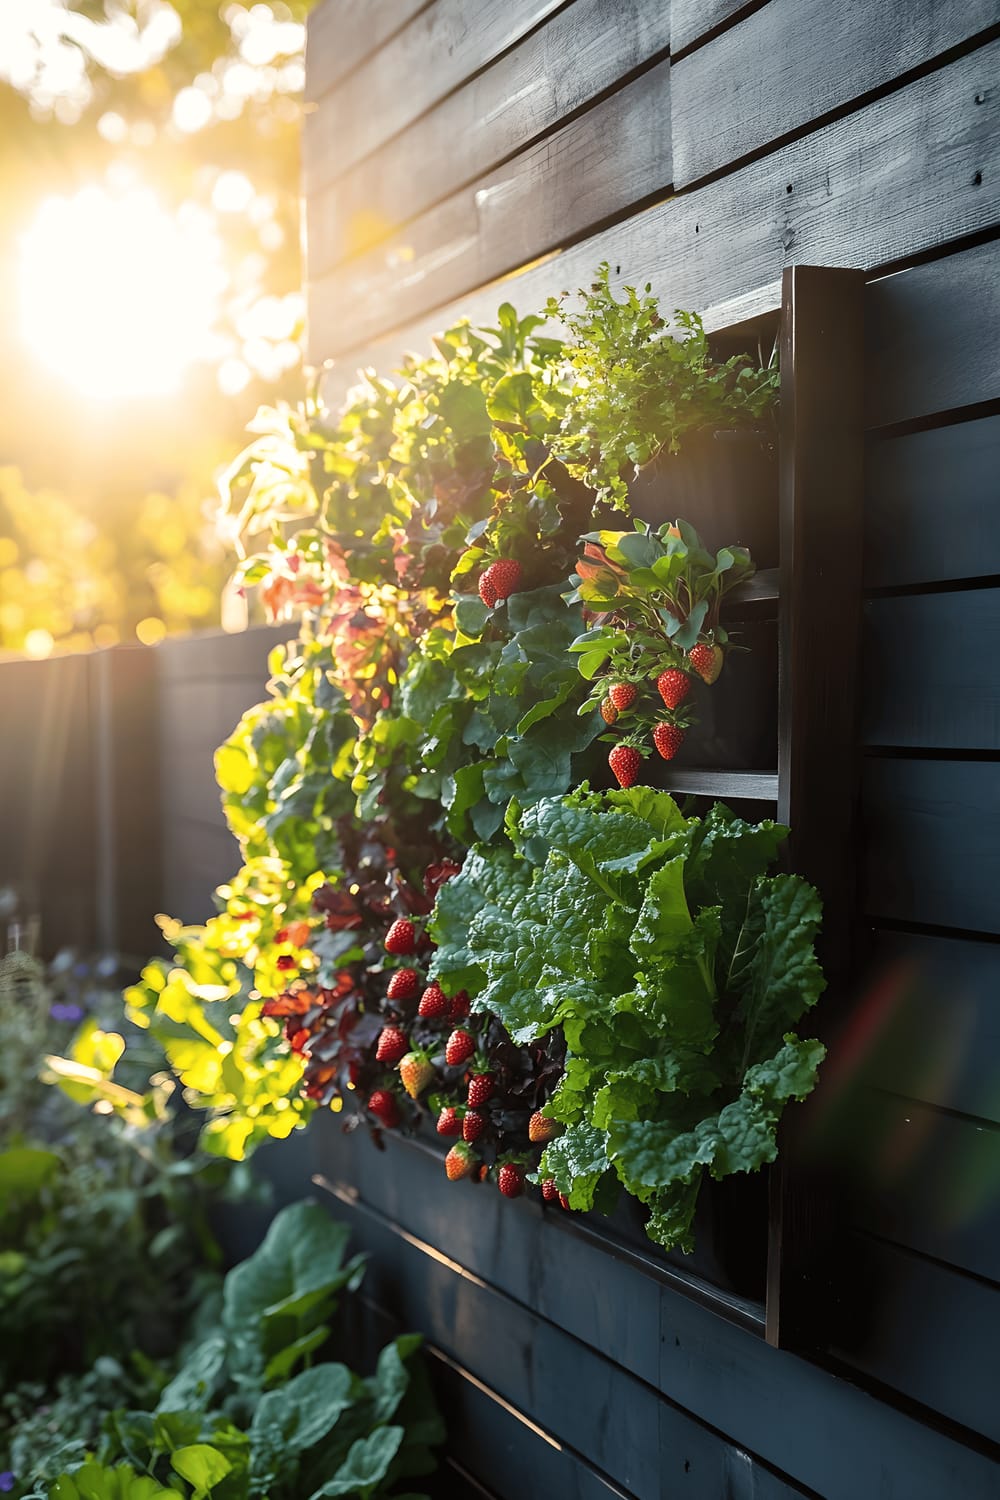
[(933, 505), (436, 52), (862, 196), (524, 95), (932, 332), (771, 74), (340, 34), (932, 853), (932, 670), (215, 654), (592, 169), (690, 20)]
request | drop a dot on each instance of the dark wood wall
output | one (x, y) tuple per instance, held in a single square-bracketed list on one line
[(460, 152)]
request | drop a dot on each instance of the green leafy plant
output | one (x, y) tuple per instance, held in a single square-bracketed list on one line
[(675, 967)]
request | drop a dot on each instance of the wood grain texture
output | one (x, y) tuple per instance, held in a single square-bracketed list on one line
[(771, 74), (932, 855), (340, 34), (791, 1413), (862, 195), (592, 169), (522, 96), (692, 19), (436, 52), (933, 505), (932, 1015), (932, 670), (932, 332)]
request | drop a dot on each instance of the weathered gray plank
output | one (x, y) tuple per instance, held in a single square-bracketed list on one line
[(932, 671), (557, 189), (522, 96), (932, 332), (774, 72), (442, 46), (342, 33), (933, 504), (215, 654), (692, 19), (932, 854), (891, 181)]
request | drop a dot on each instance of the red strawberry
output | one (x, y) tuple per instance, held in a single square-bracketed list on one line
[(487, 592), (549, 1190), (608, 711), (403, 985), (504, 577), (460, 1047), (541, 1128), (383, 1105), (449, 1123), (392, 1044), (460, 1007), (626, 762), (401, 937), (564, 1202), (673, 686), (707, 661), (433, 1003), (473, 1124), (459, 1162), (416, 1072), (668, 739), (510, 1179), (481, 1088), (623, 695)]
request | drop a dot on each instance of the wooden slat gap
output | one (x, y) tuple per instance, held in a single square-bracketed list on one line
[(939, 1109), (901, 1248), (313, 101), (929, 752), (950, 417), (932, 929), (984, 581), (726, 24)]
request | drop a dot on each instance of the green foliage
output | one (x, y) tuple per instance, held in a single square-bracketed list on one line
[(675, 966)]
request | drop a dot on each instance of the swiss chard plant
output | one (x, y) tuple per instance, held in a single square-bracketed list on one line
[(676, 967)]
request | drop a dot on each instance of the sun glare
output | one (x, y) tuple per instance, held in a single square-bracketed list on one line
[(118, 297)]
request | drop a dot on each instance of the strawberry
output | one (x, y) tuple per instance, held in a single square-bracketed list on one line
[(416, 1072), (549, 1190), (626, 762), (403, 985), (481, 1087), (459, 1162), (564, 1202), (449, 1123), (460, 1007), (541, 1128), (473, 1124), (608, 711), (673, 686), (434, 1003), (487, 592), (460, 1047), (623, 695), (510, 1179), (707, 661), (401, 937), (383, 1105), (504, 577), (668, 739), (392, 1044)]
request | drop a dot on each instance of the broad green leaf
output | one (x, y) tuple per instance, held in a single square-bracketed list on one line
[(202, 1466), (366, 1464)]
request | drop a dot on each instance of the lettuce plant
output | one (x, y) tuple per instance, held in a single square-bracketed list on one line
[(676, 967)]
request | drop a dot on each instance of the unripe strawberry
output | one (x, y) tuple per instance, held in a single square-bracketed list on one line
[(393, 1043), (403, 985), (504, 577), (434, 1003), (449, 1123), (608, 711), (460, 1007), (416, 1072), (481, 1088), (549, 1190), (459, 1162), (460, 1047), (473, 1124), (510, 1179), (401, 937), (673, 686), (541, 1128), (668, 739), (383, 1106), (707, 661), (626, 762), (623, 695)]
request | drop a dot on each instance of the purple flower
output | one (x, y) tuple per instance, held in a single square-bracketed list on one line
[(6, 1480), (62, 1011)]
